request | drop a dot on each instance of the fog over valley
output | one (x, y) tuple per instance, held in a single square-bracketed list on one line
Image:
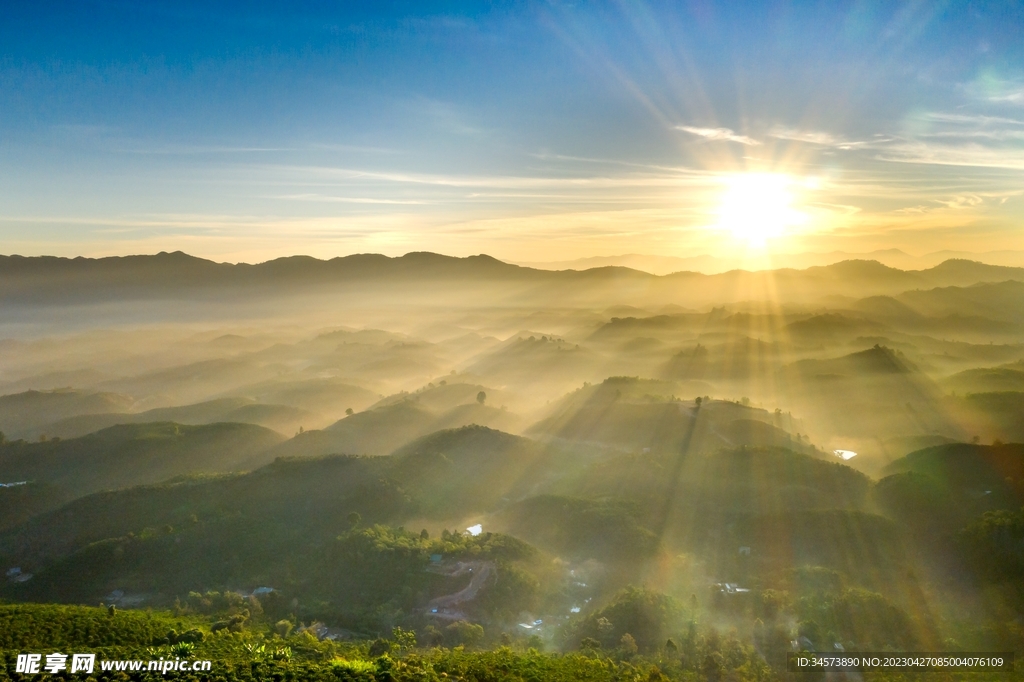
[(512, 341), (823, 454)]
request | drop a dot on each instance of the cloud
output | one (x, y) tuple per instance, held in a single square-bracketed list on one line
[(957, 139), (719, 135), (1011, 96), (343, 200), (972, 155), (996, 90), (817, 137), (976, 119), (200, 149)]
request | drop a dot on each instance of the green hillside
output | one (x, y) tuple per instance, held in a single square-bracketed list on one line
[(21, 412), (447, 395), (999, 415), (525, 361), (280, 418), (327, 396), (472, 468), (246, 644), (24, 499), (636, 414), (987, 379), (49, 626), (873, 361), (1001, 299), (581, 529), (373, 432), (877, 391), (382, 429), (831, 328), (204, 533), (134, 454), (975, 475)]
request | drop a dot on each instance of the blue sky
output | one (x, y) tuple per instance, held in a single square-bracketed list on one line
[(528, 130)]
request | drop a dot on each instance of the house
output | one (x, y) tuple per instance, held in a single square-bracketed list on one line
[(802, 644), (731, 588), (13, 573), (744, 551), (435, 558)]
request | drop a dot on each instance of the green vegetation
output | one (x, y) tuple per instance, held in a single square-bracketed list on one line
[(50, 626), (609, 530), (20, 503), (975, 478), (383, 570), (255, 651), (22, 412), (647, 617), (138, 453), (637, 478), (999, 413), (995, 544)]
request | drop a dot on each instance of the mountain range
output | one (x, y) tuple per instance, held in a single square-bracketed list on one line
[(41, 281)]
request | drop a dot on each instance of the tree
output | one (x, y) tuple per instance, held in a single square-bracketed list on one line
[(403, 639), (481, 397), (354, 518), (349, 412), (283, 628), (712, 666), (464, 633), (628, 645)]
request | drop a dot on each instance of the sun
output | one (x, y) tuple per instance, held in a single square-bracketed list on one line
[(756, 207)]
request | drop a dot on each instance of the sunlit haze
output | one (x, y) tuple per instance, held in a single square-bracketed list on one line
[(652, 340), (758, 207), (530, 131)]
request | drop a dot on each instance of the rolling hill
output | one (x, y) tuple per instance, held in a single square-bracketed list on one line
[(470, 469), (1008, 377), (20, 412), (280, 418), (134, 454), (380, 430)]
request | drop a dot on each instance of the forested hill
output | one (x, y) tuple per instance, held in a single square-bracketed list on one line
[(45, 279)]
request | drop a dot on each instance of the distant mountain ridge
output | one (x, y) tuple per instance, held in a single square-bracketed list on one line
[(49, 280), (710, 265)]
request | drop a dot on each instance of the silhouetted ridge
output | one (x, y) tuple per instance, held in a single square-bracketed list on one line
[(882, 360), (174, 275)]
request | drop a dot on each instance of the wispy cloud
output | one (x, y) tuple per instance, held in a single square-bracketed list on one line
[(200, 149), (512, 182), (343, 200), (975, 119), (1010, 96), (996, 90), (719, 135), (818, 137), (973, 155), (958, 139)]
